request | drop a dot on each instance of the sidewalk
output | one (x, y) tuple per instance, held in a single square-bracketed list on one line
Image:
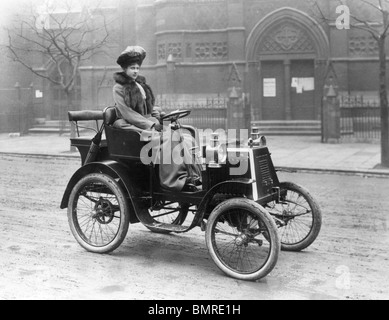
[(299, 153)]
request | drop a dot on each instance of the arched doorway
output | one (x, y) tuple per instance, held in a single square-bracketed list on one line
[(286, 54)]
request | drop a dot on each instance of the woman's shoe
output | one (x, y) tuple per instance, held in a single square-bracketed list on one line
[(190, 187), (197, 181), (194, 180)]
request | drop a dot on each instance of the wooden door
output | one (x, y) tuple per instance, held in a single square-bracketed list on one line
[(273, 85), (303, 90)]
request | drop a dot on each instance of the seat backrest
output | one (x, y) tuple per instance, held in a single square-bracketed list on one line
[(110, 116), (85, 115)]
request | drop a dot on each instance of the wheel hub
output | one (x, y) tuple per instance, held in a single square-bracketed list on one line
[(104, 212), (242, 240), (287, 216)]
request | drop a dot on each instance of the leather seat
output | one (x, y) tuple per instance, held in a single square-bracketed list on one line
[(110, 116), (111, 119)]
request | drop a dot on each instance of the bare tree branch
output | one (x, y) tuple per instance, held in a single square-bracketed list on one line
[(379, 8), (380, 33), (59, 35), (16, 57), (358, 23)]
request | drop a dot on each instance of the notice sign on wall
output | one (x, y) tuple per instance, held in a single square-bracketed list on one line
[(269, 87), (303, 84), (38, 94)]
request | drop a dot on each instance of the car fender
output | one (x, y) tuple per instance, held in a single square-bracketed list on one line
[(229, 186), (111, 168)]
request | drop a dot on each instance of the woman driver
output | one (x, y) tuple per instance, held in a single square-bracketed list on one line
[(134, 101)]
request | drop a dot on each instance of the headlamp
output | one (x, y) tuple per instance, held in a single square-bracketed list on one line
[(257, 139), (216, 153)]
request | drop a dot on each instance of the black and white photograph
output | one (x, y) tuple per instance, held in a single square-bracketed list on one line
[(192, 155)]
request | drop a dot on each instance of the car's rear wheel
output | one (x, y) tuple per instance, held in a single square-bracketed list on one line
[(98, 213), (298, 217)]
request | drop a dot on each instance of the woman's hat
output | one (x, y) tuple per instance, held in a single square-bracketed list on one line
[(132, 54)]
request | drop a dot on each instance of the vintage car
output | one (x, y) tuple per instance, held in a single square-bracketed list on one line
[(247, 218)]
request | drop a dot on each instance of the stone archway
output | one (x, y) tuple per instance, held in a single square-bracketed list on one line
[(284, 52)]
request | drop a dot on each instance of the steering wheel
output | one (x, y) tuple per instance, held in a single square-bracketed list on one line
[(175, 115)]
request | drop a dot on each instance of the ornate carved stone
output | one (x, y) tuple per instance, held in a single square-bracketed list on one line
[(257, 9), (286, 38), (161, 51), (214, 50), (164, 50), (175, 49), (363, 46), (202, 51), (220, 50)]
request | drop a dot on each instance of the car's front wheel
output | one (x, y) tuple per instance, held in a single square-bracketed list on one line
[(242, 239)]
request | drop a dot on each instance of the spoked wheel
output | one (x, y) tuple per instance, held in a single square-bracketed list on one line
[(98, 213), (170, 213), (242, 239), (297, 216)]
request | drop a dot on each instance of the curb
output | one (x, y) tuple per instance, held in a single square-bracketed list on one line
[(365, 173), (41, 155)]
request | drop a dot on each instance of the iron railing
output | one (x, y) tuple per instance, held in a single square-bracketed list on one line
[(360, 118), (14, 122), (15, 109), (208, 113)]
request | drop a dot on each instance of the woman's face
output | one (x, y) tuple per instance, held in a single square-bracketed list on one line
[(133, 71)]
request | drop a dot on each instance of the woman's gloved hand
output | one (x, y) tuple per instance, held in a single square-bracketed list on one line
[(158, 127), (157, 112)]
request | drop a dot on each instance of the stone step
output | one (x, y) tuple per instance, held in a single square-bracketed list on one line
[(50, 127), (291, 133), (53, 127), (289, 127), (33, 131), (291, 123), (281, 128)]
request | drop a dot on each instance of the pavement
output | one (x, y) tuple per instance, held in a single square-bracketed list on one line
[(293, 153)]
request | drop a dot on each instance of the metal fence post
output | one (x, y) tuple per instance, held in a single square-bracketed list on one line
[(30, 112), (331, 118), (18, 97)]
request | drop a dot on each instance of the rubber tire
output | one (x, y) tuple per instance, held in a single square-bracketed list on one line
[(273, 237), (120, 195), (316, 215)]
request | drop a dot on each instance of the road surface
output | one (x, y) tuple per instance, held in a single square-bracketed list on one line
[(39, 258)]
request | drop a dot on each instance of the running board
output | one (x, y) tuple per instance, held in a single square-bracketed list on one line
[(148, 221), (167, 227)]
